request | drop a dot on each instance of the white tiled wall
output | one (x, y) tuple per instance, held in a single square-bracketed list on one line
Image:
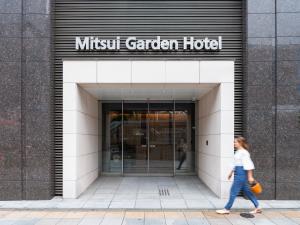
[(80, 140), (215, 115), (215, 138), (150, 71)]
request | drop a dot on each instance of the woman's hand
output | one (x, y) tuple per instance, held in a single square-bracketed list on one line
[(251, 179), (230, 175)]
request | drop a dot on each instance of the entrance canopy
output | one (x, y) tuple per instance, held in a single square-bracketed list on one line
[(148, 91), (209, 85)]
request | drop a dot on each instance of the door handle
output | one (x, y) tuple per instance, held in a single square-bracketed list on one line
[(144, 146), (152, 146)]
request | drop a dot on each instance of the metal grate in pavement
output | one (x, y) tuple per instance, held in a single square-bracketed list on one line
[(163, 192)]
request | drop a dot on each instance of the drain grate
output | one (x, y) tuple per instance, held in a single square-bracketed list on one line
[(163, 192)]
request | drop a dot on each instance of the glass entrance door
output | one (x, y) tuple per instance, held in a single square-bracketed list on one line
[(135, 137), (148, 137), (161, 138)]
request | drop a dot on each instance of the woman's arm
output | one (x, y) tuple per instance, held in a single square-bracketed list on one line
[(250, 176), (230, 174)]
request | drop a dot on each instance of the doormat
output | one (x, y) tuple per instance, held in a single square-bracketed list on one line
[(247, 215)]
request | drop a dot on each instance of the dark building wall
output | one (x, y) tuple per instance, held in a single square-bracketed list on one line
[(260, 90), (25, 106), (288, 100), (10, 104), (272, 94)]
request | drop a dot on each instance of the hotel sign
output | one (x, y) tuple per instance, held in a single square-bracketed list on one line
[(157, 44)]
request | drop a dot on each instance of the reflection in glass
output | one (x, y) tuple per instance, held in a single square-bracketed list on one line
[(112, 137), (153, 137), (184, 137), (135, 137), (161, 151)]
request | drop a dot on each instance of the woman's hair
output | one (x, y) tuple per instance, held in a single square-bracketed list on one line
[(243, 142)]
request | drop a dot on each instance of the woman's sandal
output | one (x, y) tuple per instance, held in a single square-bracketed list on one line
[(255, 211)]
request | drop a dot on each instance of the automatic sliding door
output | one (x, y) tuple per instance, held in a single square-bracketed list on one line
[(148, 137), (161, 136), (112, 137), (135, 137), (184, 137)]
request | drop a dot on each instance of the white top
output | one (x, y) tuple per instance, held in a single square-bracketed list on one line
[(242, 158)]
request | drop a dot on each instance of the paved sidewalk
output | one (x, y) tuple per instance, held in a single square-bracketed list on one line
[(143, 217), (145, 193)]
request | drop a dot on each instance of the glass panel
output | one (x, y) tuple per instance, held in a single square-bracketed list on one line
[(135, 137), (148, 137), (161, 132), (112, 137), (184, 137)]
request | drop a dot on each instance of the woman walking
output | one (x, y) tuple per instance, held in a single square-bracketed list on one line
[(243, 170)]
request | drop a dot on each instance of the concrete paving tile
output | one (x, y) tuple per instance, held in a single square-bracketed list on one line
[(261, 221), (281, 221), (192, 196), (90, 221), (147, 196), (8, 221), (42, 205), (37, 214), (16, 214), (69, 222), (124, 197), (26, 222), (134, 218), (199, 204), (293, 214), (122, 204), (172, 196), (223, 221), (212, 215), (147, 204), (14, 205), (127, 192), (55, 214), (235, 219), (104, 191), (296, 220), (96, 205), (47, 222), (75, 215), (68, 205), (283, 204), (173, 204), (197, 221), (113, 218), (279, 218), (101, 196), (264, 204), (218, 203), (242, 204), (154, 218), (177, 218), (4, 213), (193, 214), (95, 214)]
